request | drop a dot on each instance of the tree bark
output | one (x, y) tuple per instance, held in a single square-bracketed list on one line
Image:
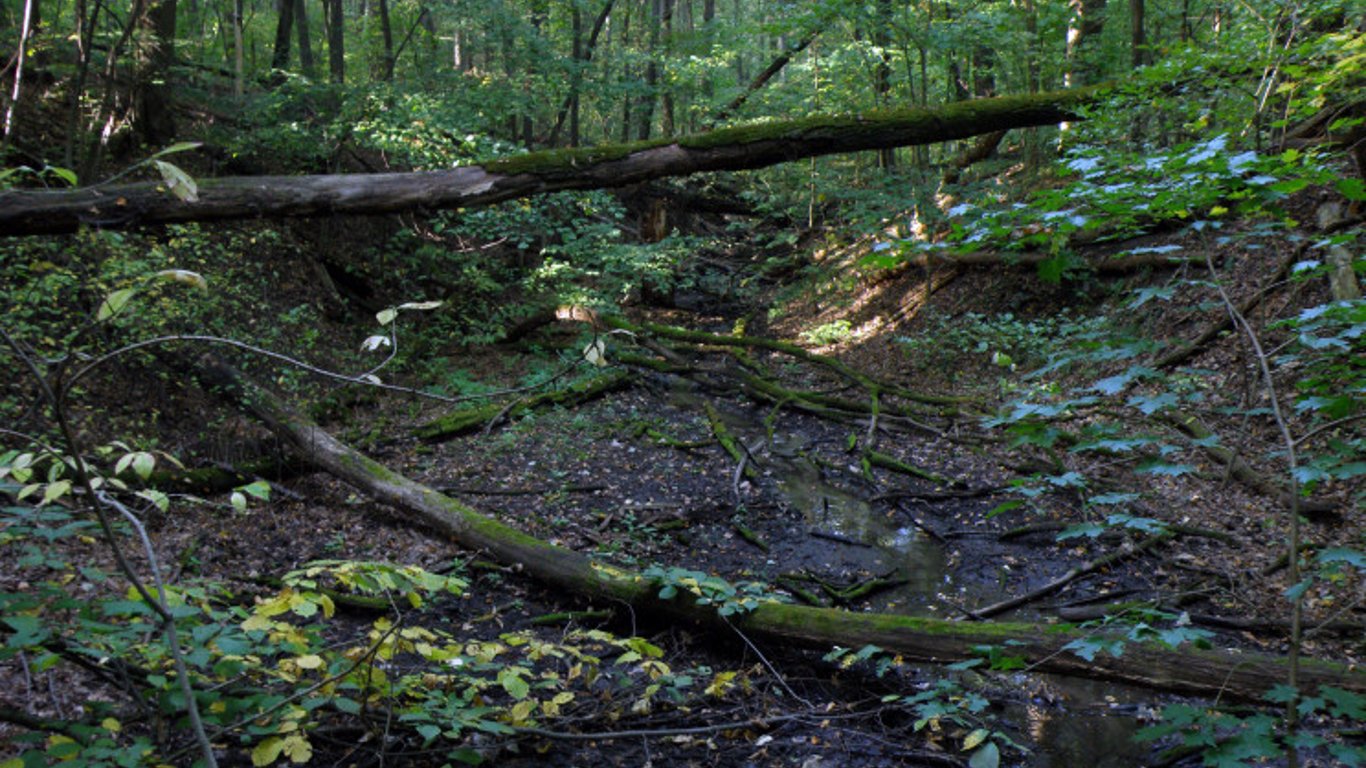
[(1243, 676), (153, 117), (387, 32), (305, 40), (284, 29), (336, 41), (31, 212)]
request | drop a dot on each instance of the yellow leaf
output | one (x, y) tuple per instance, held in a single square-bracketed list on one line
[(298, 749), (310, 661), (721, 683), (111, 725), (521, 711), (329, 607), (257, 622), (267, 751), (976, 737)]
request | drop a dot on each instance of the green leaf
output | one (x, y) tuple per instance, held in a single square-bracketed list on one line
[(1354, 557), (114, 303), (260, 489), (386, 316), (65, 174), (1352, 189), (178, 147), (1088, 530), (513, 682), (143, 463), (177, 181), (1159, 467), (1052, 269), (1281, 694), (1296, 591), (989, 756)]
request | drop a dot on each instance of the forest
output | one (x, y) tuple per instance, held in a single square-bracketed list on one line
[(665, 383)]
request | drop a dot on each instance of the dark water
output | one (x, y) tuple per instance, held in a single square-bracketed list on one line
[(1066, 722)]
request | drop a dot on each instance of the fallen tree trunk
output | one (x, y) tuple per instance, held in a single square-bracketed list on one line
[(472, 419), (36, 212), (1244, 676)]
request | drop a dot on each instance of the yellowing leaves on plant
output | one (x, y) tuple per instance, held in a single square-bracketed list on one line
[(723, 682), (309, 661)]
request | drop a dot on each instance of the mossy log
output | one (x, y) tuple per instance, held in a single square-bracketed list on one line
[(472, 419), (38, 212), (1243, 676)]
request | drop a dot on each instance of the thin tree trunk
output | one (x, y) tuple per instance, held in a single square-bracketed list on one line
[(666, 96), (646, 115), (336, 41), (306, 62), (1138, 41), (387, 31), (84, 33), (238, 18), (762, 79), (25, 26), (575, 80), (882, 72), (105, 111)]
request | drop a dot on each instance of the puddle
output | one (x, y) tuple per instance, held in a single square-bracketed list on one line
[(839, 536), (833, 533), (849, 535), (1085, 723)]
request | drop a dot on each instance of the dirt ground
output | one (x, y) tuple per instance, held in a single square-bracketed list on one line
[(800, 513)]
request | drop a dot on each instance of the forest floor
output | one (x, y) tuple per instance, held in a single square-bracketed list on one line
[(802, 514)]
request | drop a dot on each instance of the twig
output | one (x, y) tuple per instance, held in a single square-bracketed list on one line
[(1067, 578)]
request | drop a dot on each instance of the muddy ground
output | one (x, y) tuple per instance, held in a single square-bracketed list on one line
[(636, 478)]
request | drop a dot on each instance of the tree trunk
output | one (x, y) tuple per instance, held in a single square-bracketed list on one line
[(336, 41), (1138, 41), (575, 80), (882, 72), (25, 28), (25, 212), (1083, 35), (238, 19), (645, 116), (306, 62), (1242, 676), (153, 117), (387, 31), (284, 32)]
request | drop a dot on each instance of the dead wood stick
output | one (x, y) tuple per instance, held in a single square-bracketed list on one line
[(1067, 578)]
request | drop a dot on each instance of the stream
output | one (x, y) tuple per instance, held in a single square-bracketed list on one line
[(828, 530)]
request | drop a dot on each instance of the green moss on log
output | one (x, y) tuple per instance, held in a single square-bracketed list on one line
[(471, 419)]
